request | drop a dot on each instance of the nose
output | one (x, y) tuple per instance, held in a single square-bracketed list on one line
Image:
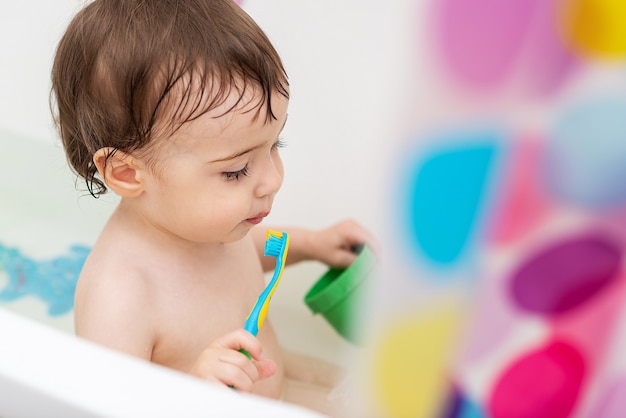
[(271, 178)]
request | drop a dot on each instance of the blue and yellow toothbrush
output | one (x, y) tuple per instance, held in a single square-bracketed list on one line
[(276, 245)]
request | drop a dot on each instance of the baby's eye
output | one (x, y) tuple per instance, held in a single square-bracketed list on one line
[(234, 175), (279, 144)]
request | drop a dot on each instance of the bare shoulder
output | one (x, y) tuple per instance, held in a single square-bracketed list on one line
[(112, 303)]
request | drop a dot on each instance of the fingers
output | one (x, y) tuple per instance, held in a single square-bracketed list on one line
[(337, 243), (239, 339), (244, 372), (237, 371), (223, 362), (265, 368), (343, 258), (356, 234)]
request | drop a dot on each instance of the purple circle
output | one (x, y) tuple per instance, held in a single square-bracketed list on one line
[(566, 274)]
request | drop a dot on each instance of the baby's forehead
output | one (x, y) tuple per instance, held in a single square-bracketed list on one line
[(187, 103), (241, 109)]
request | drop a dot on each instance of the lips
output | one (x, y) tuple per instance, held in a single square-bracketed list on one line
[(258, 218)]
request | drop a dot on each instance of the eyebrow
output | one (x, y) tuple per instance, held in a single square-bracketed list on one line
[(243, 152)]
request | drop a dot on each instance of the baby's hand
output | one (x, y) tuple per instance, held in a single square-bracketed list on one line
[(334, 245), (222, 361)]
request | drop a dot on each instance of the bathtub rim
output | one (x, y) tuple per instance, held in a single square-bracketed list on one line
[(43, 368)]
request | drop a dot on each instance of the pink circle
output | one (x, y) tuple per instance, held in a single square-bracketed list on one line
[(542, 384), (480, 40)]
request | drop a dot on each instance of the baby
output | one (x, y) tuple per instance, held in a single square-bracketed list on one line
[(177, 106)]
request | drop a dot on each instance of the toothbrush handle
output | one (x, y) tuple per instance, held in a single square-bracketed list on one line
[(245, 353)]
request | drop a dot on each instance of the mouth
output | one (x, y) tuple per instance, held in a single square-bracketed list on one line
[(258, 218)]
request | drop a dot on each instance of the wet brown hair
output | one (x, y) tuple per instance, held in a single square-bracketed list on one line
[(124, 65)]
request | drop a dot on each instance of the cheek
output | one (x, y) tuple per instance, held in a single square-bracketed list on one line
[(280, 168), (222, 206), (192, 197), (209, 218)]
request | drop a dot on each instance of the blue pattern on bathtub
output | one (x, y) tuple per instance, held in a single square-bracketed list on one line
[(53, 281)]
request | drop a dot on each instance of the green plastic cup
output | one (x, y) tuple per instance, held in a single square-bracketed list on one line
[(339, 295)]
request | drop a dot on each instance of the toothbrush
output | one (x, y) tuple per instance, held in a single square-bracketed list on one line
[(276, 245)]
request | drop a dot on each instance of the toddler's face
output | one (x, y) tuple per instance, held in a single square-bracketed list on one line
[(217, 176)]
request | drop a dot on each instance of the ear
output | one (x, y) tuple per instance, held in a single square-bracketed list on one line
[(121, 172)]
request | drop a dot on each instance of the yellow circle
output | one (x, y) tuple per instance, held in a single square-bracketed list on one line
[(410, 363), (595, 28)]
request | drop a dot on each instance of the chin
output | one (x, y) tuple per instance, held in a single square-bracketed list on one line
[(238, 233)]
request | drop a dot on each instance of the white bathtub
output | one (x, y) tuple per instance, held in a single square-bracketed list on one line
[(44, 369)]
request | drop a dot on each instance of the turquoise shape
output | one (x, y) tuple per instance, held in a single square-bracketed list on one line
[(446, 196)]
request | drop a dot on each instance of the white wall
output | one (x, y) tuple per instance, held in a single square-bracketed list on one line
[(346, 61), (29, 32)]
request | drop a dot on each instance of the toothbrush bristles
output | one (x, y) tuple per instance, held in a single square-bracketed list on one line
[(273, 243)]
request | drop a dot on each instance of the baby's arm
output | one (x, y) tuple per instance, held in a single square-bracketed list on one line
[(332, 246), (222, 362)]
